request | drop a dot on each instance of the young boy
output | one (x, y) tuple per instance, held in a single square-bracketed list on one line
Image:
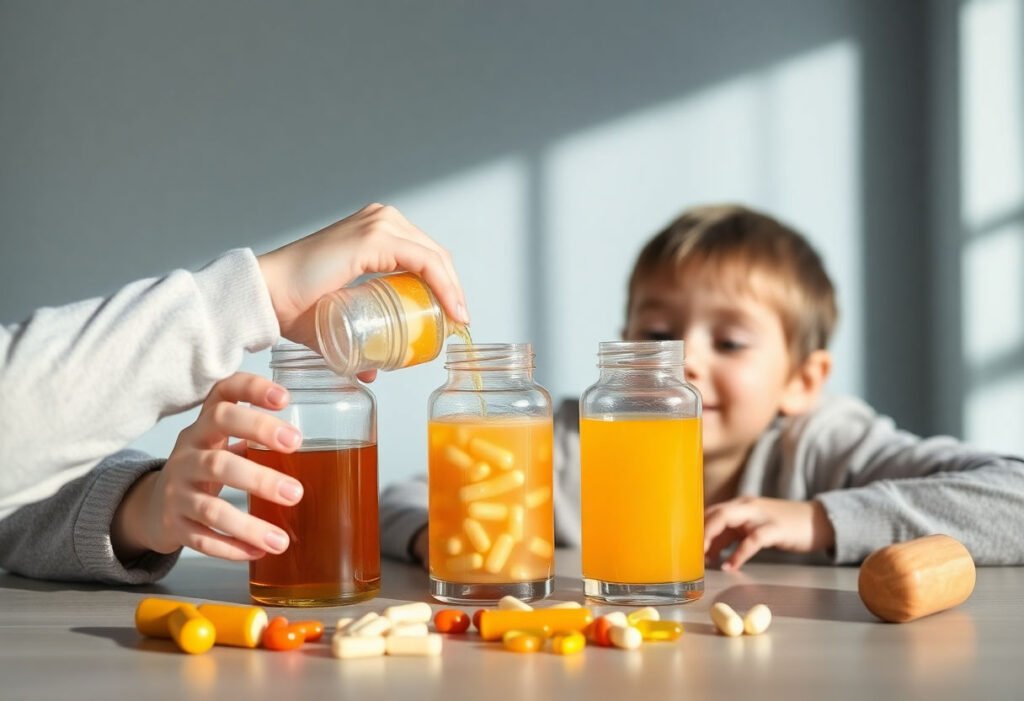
[(784, 466)]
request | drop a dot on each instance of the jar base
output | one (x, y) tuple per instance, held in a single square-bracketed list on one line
[(305, 597), (657, 594), (478, 593)]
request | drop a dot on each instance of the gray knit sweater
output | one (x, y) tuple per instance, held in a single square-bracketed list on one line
[(878, 484), (80, 382)]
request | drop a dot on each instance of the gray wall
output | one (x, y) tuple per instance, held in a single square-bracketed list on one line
[(541, 142)]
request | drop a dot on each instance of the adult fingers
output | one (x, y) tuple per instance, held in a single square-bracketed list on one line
[(227, 468), (224, 419), (218, 515), (249, 388), (202, 539), (429, 265)]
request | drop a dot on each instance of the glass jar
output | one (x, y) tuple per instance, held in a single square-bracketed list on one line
[(642, 477), (333, 556), (490, 437), (386, 323)]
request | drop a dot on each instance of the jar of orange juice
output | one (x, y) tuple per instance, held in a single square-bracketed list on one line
[(491, 531), (641, 481), (333, 556), (388, 322)]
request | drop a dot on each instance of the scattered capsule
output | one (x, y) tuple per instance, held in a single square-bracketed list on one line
[(342, 624), (625, 637), (370, 624), (348, 646), (239, 626), (451, 621), (280, 636), (523, 640), (567, 605), (568, 643), (659, 630), (476, 618), (726, 620), (511, 603), (311, 631), (193, 632), (418, 612), (152, 616), (757, 620), (647, 613), (409, 630), (597, 632), (418, 645), (494, 624)]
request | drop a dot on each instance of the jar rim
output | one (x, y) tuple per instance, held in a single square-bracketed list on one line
[(287, 355), (489, 356), (641, 353)]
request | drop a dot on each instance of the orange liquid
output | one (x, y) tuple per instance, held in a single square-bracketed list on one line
[(425, 322), (513, 538), (642, 500), (334, 552)]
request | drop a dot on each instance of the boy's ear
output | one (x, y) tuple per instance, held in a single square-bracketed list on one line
[(803, 388)]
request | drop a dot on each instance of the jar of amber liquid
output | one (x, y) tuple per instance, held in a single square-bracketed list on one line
[(491, 523), (333, 556), (642, 477), (388, 322)]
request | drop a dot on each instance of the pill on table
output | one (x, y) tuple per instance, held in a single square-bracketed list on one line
[(511, 603), (465, 563), (757, 620), (487, 510), (477, 535), (517, 522), (280, 636), (659, 630), (348, 647), (617, 618), (476, 618), (568, 643), (523, 640), (152, 616), (369, 624), (492, 487), (193, 632), (494, 624), (726, 620), (541, 548), (417, 612), (538, 496), (453, 545), (239, 626), (625, 637), (498, 556), (422, 645), (458, 457), (567, 605), (451, 621), (597, 632), (647, 613), (485, 450), (408, 630), (342, 624)]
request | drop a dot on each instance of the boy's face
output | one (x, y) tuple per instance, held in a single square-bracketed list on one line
[(736, 352)]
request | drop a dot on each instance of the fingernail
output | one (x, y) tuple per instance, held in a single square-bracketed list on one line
[(289, 437), (463, 314), (276, 541), (289, 490), (277, 395)]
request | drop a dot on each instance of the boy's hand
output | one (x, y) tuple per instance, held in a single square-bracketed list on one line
[(178, 505), (759, 522), (376, 239)]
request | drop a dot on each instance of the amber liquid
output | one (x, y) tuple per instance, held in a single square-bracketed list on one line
[(334, 551)]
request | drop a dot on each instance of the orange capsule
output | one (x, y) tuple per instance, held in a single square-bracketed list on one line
[(451, 621), (524, 640), (311, 630), (494, 624), (476, 618), (599, 632), (281, 636)]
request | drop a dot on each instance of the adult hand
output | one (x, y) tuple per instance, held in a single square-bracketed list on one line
[(179, 505), (376, 239), (755, 523)]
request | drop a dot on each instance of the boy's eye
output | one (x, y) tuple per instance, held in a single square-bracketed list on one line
[(648, 335), (729, 345)]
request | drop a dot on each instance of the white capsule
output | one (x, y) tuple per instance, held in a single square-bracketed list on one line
[(757, 620), (370, 627), (353, 646), (492, 487), (423, 646), (418, 612), (477, 535), (342, 624), (498, 556), (511, 603), (409, 629), (567, 605), (726, 620), (625, 637), (487, 510), (617, 618), (485, 450), (647, 613)]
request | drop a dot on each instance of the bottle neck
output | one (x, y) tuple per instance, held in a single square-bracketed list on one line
[(489, 366), (641, 362), (298, 368)]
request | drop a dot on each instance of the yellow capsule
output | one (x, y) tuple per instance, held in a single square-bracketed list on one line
[(193, 632), (458, 457), (517, 522), (523, 640), (485, 450), (477, 535), (541, 548), (479, 471), (498, 556), (647, 613), (659, 630), (487, 510), (240, 626), (453, 546), (493, 487), (536, 497), (152, 616), (568, 643), (495, 623)]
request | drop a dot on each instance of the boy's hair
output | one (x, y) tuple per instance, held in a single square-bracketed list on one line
[(766, 250)]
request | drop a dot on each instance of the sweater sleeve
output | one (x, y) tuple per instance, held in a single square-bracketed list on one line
[(403, 514), (80, 382), (67, 535), (880, 485)]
